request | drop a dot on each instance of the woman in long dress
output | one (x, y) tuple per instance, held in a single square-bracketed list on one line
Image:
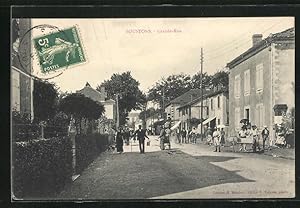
[(119, 140)]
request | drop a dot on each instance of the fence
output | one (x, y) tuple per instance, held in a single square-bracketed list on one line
[(26, 132)]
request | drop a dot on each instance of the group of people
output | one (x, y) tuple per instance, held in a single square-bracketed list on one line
[(184, 136), (215, 137), (251, 131), (124, 134)]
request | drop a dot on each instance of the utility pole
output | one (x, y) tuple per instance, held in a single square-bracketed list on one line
[(163, 101), (201, 86), (118, 114)]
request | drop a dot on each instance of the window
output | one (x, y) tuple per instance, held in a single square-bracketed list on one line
[(212, 104), (237, 117), (247, 82), (219, 121), (237, 86), (15, 90), (218, 101), (259, 78), (259, 116)]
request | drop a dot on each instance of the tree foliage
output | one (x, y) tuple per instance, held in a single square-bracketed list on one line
[(195, 122), (127, 88), (172, 87), (80, 106), (44, 100)]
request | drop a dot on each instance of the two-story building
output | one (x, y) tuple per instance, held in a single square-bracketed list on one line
[(262, 78), (171, 109), (215, 110)]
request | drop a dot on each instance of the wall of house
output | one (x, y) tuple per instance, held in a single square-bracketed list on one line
[(254, 98), (284, 74), (22, 85), (109, 110)]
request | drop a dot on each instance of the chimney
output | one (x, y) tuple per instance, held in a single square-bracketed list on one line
[(256, 38)]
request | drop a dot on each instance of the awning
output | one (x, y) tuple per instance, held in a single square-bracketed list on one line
[(176, 125), (209, 120)]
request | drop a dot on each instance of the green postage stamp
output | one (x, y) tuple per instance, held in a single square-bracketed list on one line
[(59, 50)]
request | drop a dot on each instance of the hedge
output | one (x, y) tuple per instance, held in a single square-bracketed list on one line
[(41, 167), (88, 147)]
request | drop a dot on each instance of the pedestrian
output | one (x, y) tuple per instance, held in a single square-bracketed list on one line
[(242, 136), (164, 136), (209, 136), (255, 137), (127, 136), (119, 140), (178, 135), (183, 135), (194, 134), (141, 135), (189, 135), (222, 137), (217, 139), (265, 135)]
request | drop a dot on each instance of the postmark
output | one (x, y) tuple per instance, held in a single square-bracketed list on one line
[(45, 51), (59, 50)]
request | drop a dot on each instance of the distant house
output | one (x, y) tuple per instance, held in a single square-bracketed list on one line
[(171, 108), (262, 78), (21, 80), (101, 97), (215, 110)]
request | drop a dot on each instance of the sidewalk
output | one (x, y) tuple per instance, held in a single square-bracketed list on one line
[(285, 153)]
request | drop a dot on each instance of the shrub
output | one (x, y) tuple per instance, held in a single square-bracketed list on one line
[(41, 167), (88, 148)]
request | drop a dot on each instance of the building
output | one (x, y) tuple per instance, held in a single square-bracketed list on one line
[(262, 78), (101, 97), (215, 110), (21, 79), (171, 108)]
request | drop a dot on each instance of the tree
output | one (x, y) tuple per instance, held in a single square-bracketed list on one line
[(45, 97), (196, 81), (173, 86), (195, 122), (220, 80), (81, 108), (127, 88)]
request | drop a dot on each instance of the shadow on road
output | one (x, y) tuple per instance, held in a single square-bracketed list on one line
[(135, 176)]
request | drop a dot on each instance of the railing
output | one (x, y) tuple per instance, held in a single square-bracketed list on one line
[(26, 132)]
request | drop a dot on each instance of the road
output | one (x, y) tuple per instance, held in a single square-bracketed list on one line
[(184, 172)]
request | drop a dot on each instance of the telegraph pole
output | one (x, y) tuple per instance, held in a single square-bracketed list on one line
[(201, 86), (163, 101), (118, 114)]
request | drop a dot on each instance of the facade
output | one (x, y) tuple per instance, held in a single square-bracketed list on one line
[(21, 80), (171, 109), (109, 105), (261, 78), (215, 110)]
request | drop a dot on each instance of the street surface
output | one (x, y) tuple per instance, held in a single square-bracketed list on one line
[(186, 171)]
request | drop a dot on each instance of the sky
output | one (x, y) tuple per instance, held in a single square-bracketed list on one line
[(152, 48)]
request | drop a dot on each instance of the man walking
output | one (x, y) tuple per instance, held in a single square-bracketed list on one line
[(141, 134), (265, 135), (183, 135)]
